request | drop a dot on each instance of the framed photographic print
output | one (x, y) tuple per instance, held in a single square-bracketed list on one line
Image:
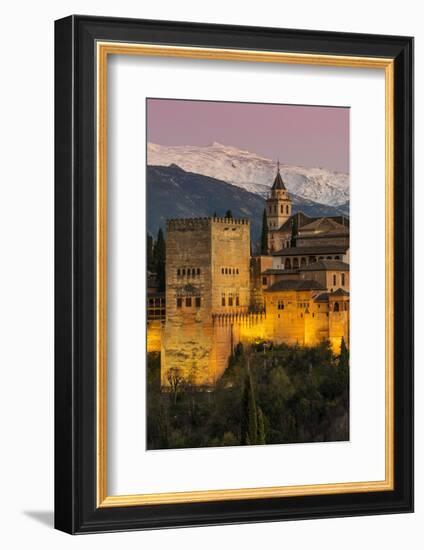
[(234, 274)]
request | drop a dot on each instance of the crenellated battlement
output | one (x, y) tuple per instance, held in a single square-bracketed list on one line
[(194, 224), (246, 317)]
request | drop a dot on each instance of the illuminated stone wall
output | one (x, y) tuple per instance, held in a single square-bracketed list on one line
[(207, 273)]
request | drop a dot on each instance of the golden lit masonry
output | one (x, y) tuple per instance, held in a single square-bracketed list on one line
[(217, 294)]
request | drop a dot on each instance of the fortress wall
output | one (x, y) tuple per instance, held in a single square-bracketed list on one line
[(230, 258), (154, 336), (187, 336), (338, 329)]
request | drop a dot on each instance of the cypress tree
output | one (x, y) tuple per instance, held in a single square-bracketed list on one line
[(159, 256), (149, 253), (344, 355), (264, 234), (249, 420), (261, 427), (293, 232), (228, 214)]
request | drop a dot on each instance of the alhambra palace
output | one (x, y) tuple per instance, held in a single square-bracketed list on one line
[(218, 295)]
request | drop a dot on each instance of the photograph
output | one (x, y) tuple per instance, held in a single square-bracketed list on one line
[(247, 273)]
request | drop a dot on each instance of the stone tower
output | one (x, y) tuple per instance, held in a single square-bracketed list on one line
[(278, 207), (207, 274)]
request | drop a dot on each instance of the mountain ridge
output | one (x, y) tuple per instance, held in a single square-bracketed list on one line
[(252, 172), (176, 193)]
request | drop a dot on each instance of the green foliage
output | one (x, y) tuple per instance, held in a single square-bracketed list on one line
[(149, 253), (159, 258), (293, 232), (264, 234), (228, 214), (261, 427), (249, 417), (287, 394)]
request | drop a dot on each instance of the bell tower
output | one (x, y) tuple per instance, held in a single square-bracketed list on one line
[(278, 206)]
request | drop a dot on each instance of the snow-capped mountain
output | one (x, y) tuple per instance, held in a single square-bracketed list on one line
[(251, 171)]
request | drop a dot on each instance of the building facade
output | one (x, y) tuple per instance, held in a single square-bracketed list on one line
[(217, 295)]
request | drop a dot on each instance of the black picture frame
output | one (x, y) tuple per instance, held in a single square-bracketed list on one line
[(76, 510)]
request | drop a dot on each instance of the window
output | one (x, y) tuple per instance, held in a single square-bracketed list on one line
[(336, 306), (222, 270), (198, 271), (282, 209), (237, 270), (183, 272), (226, 271), (179, 302), (178, 272), (287, 209), (223, 300), (334, 279), (280, 304), (343, 279), (198, 301), (264, 280), (188, 301), (237, 300)]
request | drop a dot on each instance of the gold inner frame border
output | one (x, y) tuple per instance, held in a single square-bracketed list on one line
[(103, 50)]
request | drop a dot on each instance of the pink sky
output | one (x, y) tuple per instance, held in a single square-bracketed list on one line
[(310, 136)]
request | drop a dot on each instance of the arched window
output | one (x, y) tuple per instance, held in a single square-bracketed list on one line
[(334, 279), (237, 270), (222, 270), (223, 299), (198, 271), (343, 279), (287, 209), (336, 306), (282, 209), (287, 264), (237, 300), (188, 301), (295, 263), (178, 272), (303, 262), (183, 272)]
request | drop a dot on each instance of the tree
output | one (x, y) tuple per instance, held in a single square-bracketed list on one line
[(344, 355), (264, 235), (149, 253), (249, 420), (228, 214), (159, 258), (293, 232), (261, 427), (214, 215), (175, 381)]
